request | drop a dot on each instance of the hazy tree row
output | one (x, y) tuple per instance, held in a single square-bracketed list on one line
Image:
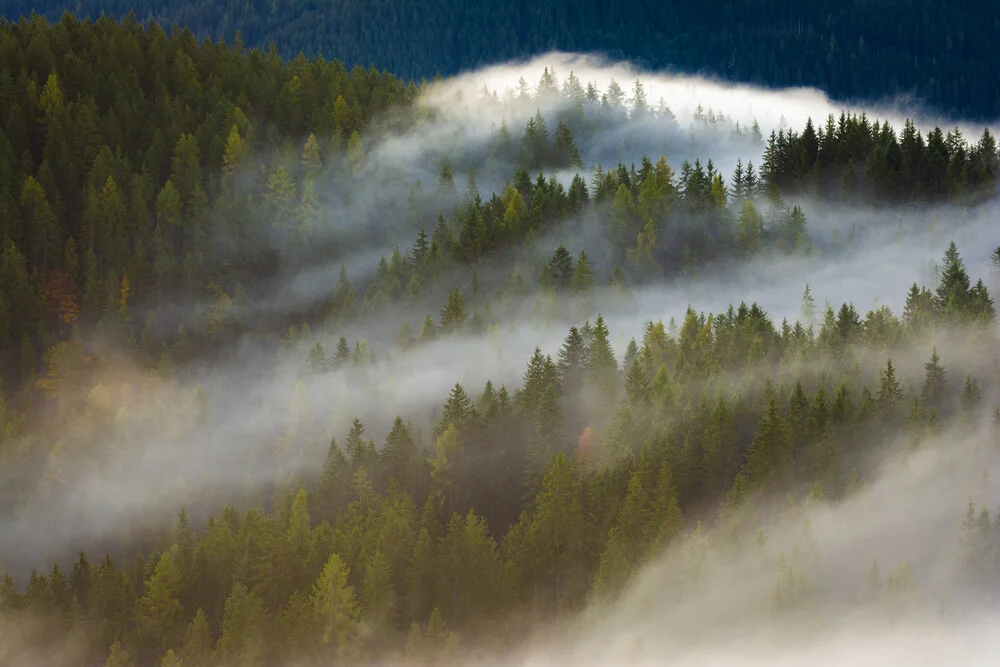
[(527, 503), (158, 199), (179, 209)]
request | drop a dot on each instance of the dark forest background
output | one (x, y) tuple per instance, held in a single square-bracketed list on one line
[(940, 53)]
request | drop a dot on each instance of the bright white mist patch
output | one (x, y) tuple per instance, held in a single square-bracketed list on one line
[(683, 93)]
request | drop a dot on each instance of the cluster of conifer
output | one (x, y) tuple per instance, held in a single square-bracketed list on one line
[(917, 48), (176, 209), (531, 502), (128, 187)]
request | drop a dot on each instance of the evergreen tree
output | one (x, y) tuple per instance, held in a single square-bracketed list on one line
[(951, 299), (602, 368), (335, 604), (769, 459), (808, 309), (935, 380), (890, 392), (453, 314), (558, 526), (561, 268)]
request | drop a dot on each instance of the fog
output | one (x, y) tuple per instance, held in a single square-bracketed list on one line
[(377, 200), (459, 100), (151, 471), (726, 613), (168, 446)]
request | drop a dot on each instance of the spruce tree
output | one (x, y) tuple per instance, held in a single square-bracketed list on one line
[(602, 367), (935, 380), (890, 391), (453, 314), (561, 269), (952, 296)]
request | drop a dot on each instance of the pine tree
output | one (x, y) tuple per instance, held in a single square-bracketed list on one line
[(918, 311), (935, 380), (311, 160), (564, 150), (890, 392), (561, 268), (335, 604), (421, 248), (444, 460), (333, 490), (342, 356), (602, 367), (626, 543), (439, 642), (196, 651), (749, 230), (457, 411), (468, 568), (808, 309), (399, 456), (769, 459), (737, 183), (160, 611), (171, 659), (981, 306), (951, 299), (119, 656), (378, 595), (419, 576), (428, 331), (971, 395), (342, 303), (583, 277), (453, 314), (545, 441), (317, 359), (573, 361), (558, 526), (637, 386)]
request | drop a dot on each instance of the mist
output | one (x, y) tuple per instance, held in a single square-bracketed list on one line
[(209, 433), (377, 197), (891, 249), (247, 402), (714, 600)]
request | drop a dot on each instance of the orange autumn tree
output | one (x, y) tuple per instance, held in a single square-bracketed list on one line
[(586, 447), (60, 296)]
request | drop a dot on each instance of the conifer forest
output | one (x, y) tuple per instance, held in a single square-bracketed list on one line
[(550, 362)]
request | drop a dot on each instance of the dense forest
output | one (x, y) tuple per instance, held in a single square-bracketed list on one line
[(208, 249), (939, 53)]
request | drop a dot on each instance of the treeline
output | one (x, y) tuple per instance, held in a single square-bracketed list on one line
[(529, 503), (107, 220), (850, 154), (939, 54), (871, 160), (124, 155)]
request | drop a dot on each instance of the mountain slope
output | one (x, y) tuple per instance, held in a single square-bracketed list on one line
[(940, 53)]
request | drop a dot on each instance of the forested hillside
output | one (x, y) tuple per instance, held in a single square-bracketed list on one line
[(939, 52), (225, 274)]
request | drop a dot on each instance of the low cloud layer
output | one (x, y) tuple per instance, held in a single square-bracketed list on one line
[(248, 402), (910, 512)]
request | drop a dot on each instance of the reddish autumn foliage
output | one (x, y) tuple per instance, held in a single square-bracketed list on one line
[(586, 446), (60, 296)]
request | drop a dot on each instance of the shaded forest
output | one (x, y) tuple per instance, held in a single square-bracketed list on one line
[(158, 196), (190, 173), (941, 54)]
